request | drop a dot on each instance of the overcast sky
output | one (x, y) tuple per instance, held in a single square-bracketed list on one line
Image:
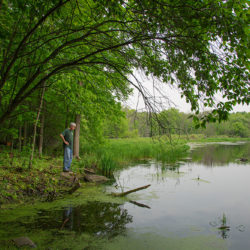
[(171, 97)]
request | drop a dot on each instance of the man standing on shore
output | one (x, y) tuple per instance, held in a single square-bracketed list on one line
[(67, 137)]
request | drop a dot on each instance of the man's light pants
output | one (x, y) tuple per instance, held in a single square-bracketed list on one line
[(68, 156)]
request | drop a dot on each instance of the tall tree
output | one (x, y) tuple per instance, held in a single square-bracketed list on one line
[(35, 128), (20, 139), (41, 134), (198, 46), (77, 137)]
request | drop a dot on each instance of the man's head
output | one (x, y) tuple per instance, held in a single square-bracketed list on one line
[(72, 126)]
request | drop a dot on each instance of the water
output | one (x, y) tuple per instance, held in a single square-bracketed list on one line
[(201, 202)]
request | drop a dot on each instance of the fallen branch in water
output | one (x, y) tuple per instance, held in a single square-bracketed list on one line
[(139, 204), (130, 191)]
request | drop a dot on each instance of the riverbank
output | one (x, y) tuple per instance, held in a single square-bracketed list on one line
[(18, 184), (91, 218), (44, 180)]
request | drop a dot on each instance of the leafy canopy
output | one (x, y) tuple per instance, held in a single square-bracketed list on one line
[(200, 46)]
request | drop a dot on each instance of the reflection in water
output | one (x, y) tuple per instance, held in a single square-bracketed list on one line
[(182, 195), (220, 154), (162, 171), (222, 226), (95, 218), (67, 218)]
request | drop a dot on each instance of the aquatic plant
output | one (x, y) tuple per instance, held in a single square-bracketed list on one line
[(107, 165), (224, 228), (116, 153), (127, 150)]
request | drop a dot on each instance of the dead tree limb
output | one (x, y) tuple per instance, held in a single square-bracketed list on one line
[(35, 127), (139, 204), (130, 191)]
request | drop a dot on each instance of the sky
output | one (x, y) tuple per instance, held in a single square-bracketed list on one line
[(172, 97)]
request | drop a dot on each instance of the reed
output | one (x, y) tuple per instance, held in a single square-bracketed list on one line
[(119, 152)]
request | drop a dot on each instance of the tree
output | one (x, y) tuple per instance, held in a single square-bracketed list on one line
[(199, 46), (35, 128), (41, 134), (77, 137)]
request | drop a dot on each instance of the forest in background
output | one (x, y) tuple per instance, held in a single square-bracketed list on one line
[(174, 122), (126, 123)]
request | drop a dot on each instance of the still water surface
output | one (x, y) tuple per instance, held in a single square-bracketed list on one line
[(200, 202)]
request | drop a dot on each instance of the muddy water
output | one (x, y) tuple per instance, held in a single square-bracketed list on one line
[(201, 202)]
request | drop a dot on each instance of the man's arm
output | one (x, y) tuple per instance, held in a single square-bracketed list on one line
[(67, 143)]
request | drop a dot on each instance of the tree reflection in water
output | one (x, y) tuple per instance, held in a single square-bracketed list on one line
[(102, 219), (95, 218), (220, 154)]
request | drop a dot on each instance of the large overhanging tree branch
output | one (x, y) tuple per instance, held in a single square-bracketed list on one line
[(201, 47), (25, 38)]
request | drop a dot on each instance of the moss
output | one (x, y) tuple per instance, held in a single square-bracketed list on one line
[(87, 193)]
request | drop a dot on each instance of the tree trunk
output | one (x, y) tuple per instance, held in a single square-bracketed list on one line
[(77, 132), (35, 128), (40, 146), (25, 134), (67, 117), (20, 139), (77, 137)]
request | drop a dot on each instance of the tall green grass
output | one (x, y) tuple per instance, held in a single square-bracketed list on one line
[(119, 152), (115, 153)]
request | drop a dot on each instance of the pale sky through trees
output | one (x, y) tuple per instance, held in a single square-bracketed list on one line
[(171, 93)]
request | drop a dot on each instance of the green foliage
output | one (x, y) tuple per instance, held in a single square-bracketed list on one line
[(118, 128), (117, 152), (18, 183), (107, 164), (173, 122), (83, 54), (201, 47)]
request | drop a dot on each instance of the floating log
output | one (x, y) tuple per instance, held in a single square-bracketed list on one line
[(139, 204), (130, 191)]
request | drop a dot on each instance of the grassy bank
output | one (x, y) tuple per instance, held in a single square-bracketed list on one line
[(203, 138), (125, 151), (116, 153), (18, 183)]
